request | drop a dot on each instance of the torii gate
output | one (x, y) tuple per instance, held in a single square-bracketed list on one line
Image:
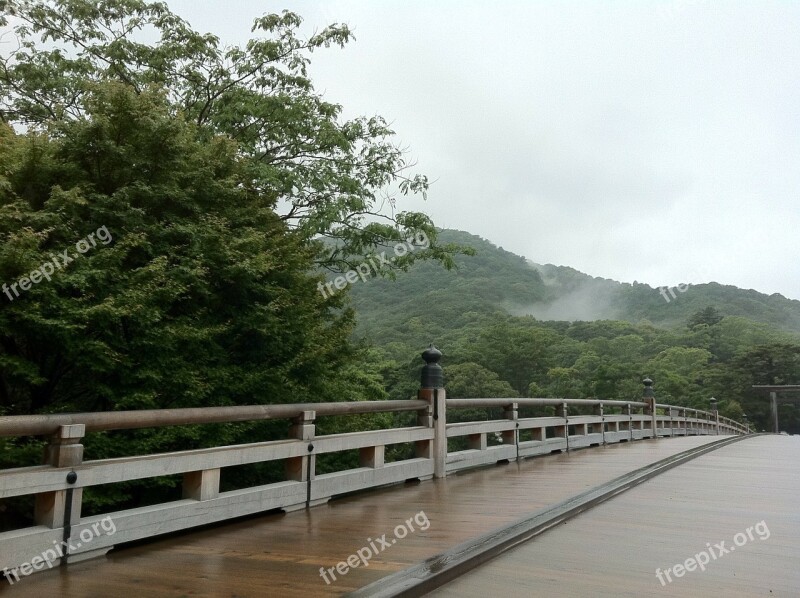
[(773, 399)]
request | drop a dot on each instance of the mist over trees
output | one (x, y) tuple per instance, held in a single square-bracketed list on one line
[(711, 341)]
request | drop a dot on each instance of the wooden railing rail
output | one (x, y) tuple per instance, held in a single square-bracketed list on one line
[(469, 403), (39, 425)]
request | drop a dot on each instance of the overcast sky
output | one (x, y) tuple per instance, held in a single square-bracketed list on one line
[(657, 142)]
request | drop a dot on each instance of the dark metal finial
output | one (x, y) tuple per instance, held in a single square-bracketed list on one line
[(648, 388), (432, 374), (431, 354)]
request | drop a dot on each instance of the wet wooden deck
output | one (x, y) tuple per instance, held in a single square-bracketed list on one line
[(616, 548), (281, 555)]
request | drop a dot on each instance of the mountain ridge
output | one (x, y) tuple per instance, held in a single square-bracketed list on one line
[(499, 280)]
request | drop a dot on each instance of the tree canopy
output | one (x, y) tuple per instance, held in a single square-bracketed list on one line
[(323, 176), (221, 186)]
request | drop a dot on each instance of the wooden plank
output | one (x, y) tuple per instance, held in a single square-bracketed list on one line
[(473, 458), (540, 422), (351, 480), (585, 440), (33, 425), (435, 572), (481, 427), (664, 522)]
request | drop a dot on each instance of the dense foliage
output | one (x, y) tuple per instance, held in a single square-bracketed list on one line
[(720, 349), (208, 173)]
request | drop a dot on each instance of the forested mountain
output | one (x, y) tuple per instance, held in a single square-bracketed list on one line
[(496, 280), (573, 291), (510, 327)]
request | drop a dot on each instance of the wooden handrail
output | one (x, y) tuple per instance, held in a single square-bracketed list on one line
[(37, 425), (469, 403)]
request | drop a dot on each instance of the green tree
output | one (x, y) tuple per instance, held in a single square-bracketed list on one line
[(776, 363), (678, 373), (215, 172), (470, 380), (517, 349), (733, 410), (564, 383), (202, 295), (708, 316), (322, 175)]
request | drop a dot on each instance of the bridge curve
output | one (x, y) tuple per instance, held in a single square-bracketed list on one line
[(439, 451), (281, 554)]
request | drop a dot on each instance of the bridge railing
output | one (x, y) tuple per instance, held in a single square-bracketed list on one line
[(613, 421), (56, 487)]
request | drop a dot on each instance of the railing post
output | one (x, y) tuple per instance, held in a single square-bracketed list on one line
[(564, 412), (511, 413), (64, 450), (432, 390), (201, 485), (477, 442), (598, 411), (649, 398), (629, 413), (714, 415), (303, 469), (372, 456), (773, 411)]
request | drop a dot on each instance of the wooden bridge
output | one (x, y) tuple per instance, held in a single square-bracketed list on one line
[(439, 517)]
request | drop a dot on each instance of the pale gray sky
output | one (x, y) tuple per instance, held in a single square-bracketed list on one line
[(649, 141)]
